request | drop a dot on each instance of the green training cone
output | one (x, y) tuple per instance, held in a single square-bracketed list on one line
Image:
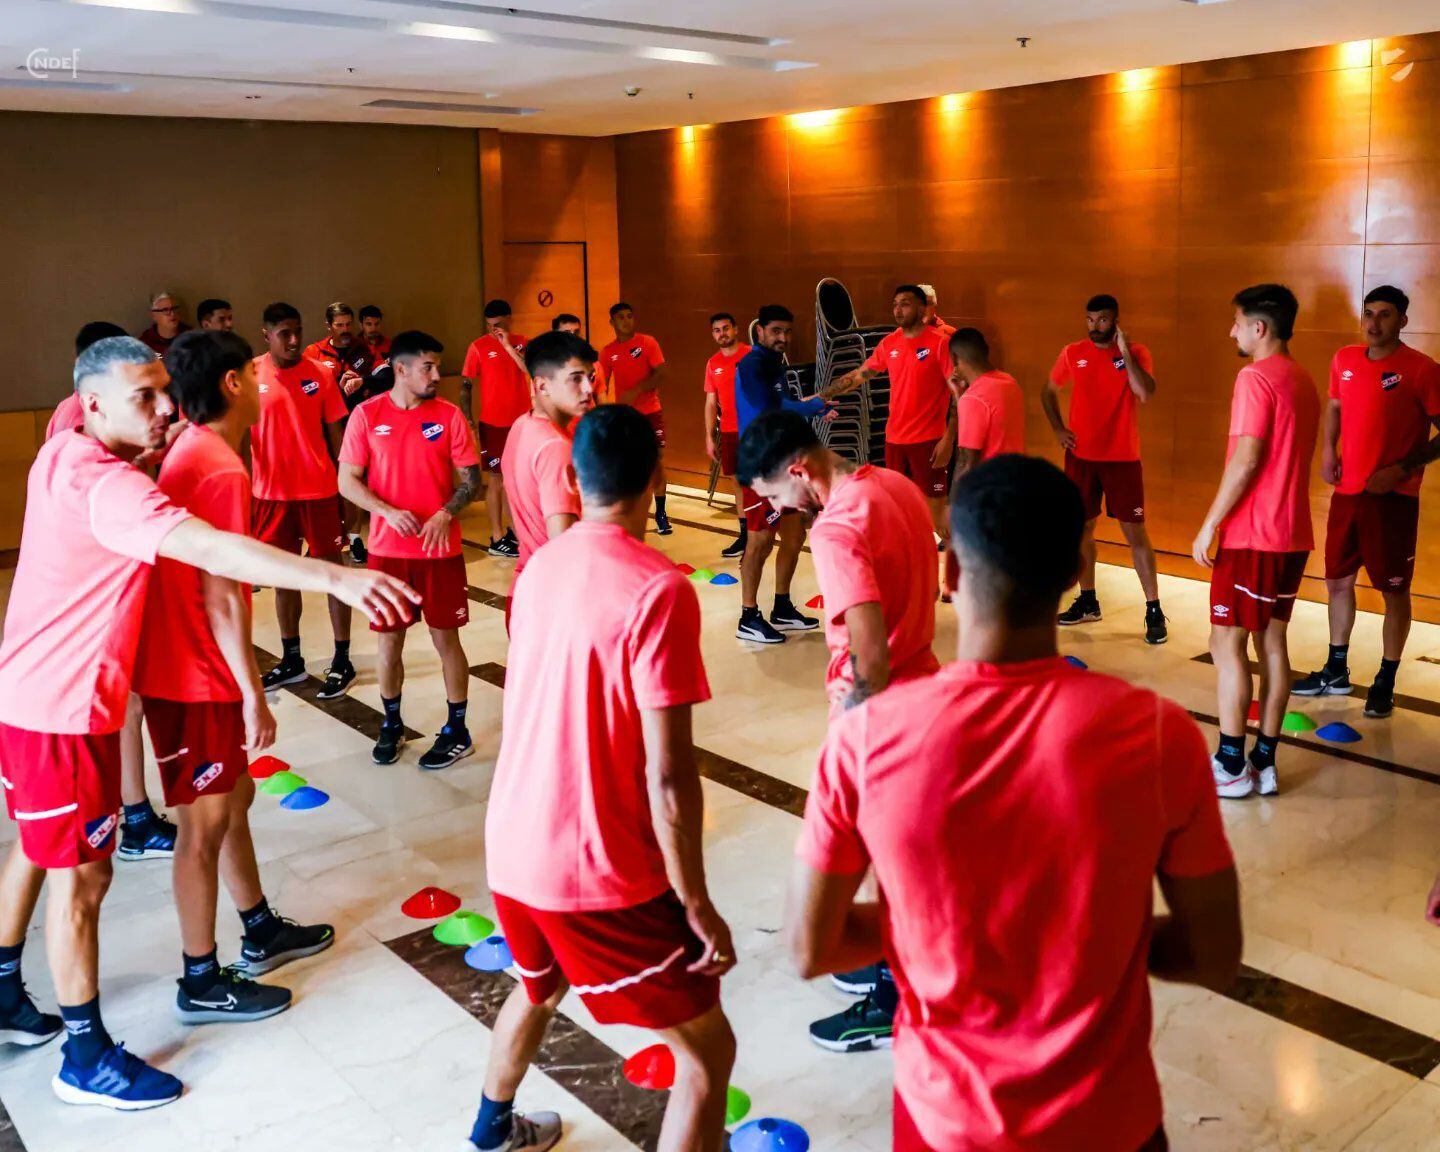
[(463, 928), (1297, 722), (737, 1105), (281, 784), (701, 576)]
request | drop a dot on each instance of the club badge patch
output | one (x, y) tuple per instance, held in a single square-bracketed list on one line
[(205, 775), (98, 832), (1390, 381), (432, 431), (309, 387)]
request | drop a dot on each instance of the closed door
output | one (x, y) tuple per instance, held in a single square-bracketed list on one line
[(542, 280)]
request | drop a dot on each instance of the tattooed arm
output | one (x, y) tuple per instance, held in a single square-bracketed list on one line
[(869, 652), (435, 532)]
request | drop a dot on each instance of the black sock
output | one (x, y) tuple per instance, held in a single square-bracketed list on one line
[(886, 994), (1339, 658), (750, 613), (392, 711), (85, 1037), (1152, 605), (1386, 675), (455, 722), (1231, 753), (289, 649), (342, 654), (1088, 595), (11, 990), (1263, 754), (782, 600), (492, 1125), (139, 814), (659, 505), (261, 924), (744, 529), (201, 972)]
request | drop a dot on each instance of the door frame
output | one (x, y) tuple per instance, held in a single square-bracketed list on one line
[(584, 265)]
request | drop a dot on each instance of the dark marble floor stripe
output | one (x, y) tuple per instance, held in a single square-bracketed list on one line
[(1407, 703), (10, 1140), (485, 596), (349, 711), (574, 1058)]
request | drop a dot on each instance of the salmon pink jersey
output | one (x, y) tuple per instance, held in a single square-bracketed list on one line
[(990, 416), (874, 543), (720, 381), (179, 658), (631, 362), (93, 528), (67, 415), (536, 470), (409, 456), (1016, 816), (503, 386), (289, 455), (1274, 401), (1102, 407), (602, 626), (1386, 407), (919, 394)]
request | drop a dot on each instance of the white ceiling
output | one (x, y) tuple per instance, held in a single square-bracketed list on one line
[(713, 61)]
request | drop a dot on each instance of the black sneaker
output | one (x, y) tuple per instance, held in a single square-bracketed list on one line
[(232, 999), (293, 942), (662, 524), (288, 671), (387, 744), (735, 549), (338, 678), (504, 548), (448, 748), (1084, 610), (1155, 630), (1324, 682), (1380, 700), (757, 631), (28, 1027), (862, 1026), (152, 840), (860, 982), (788, 618), (357, 550)]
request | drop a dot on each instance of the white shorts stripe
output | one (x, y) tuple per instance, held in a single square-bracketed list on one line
[(1255, 595), (536, 975), (175, 756), (598, 989), (46, 814)]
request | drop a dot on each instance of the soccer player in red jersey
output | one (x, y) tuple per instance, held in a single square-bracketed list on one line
[(293, 448), (1376, 440), (166, 324), (920, 430), (494, 375), (597, 751), (203, 702), (94, 526), (349, 358), (215, 315), (69, 413), (402, 453), (1024, 1019), (370, 320), (1111, 378), (1261, 514), (634, 372), (722, 423)]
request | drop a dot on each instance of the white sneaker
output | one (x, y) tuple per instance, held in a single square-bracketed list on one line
[(1269, 784), (1231, 787), (536, 1132)]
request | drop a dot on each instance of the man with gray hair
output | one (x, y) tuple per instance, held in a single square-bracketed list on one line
[(165, 323), (94, 527)]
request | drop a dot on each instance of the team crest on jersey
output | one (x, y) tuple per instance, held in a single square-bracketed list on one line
[(309, 387), (922, 353), (98, 832), (1081, 363), (635, 353), (382, 429), (432, 431), (206, 775), (1119, 363), (1390, 381)]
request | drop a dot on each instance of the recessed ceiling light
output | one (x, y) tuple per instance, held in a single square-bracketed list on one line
[(450, 106)]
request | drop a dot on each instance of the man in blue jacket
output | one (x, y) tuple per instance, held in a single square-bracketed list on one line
[(760, 388)]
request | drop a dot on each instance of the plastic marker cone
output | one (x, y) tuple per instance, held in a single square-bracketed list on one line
[(815, 602), (463, 928), (266, 766), (490, 955), (1338, 733), (430, 904), (724, 578), (769, 1135), (282, 783), (306, 797), (1254, 714), (685, 569), (1299, 722), (702, 575), (652, 1067), (1075, 660), (737, 1105)]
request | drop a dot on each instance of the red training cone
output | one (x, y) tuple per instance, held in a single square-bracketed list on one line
[(685, 569), (266, 766), (817, 602), (430, 904), (652, 1067)]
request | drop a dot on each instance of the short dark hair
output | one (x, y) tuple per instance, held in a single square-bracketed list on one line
[(1273, 303), (969, 344), (715, 319), (94, 331), (494, 309), (1104, 302), (339, 308), (197, 363), (619, 306), (278, 313), (565, 318), (412, 343), (371, 310), (770, 443), (551, 351), (913, 289), (1016, 523), (769, 313), (208, 307), (1389, 294), (614, 454)]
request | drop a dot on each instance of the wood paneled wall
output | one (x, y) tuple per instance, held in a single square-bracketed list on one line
[(1169, 187)]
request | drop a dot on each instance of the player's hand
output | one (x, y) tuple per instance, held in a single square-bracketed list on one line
[(958, 387), (383, 599), (832, 410), (1065, 438), (405, 523), (435, 533), (719, 955), (1121, 343), (1330, 468), (1385, 479), (710, 447), (1432, 904), (940, 457), (350, 382), (1200, 550), (259, 723), (503, 336)]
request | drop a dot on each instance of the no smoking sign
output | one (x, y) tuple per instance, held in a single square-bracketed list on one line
[(546, 298)]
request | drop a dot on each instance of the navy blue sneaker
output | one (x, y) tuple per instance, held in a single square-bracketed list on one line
[(120, 1080), (27, 1026), (152, 840), (859, 1028)]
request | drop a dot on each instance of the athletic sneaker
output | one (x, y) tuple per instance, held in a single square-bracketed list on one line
[(26, 1026), (1266, 782), (448, 748), (1084, 610), (338, 678), (152, 840), (387, 744), (232, 999), (1155, 630), (1232, 785), (1380, 700), (357, 550), (504, 548), (293, 942), (288, 671), (735, 549), (662, 524), (862, 1026), (537, 1132), (1324, 682), (860, 982), (119, 1080), (757, 631), (788, 618)]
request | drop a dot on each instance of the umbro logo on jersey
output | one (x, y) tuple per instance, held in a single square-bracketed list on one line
[(432, 431), (382, 429), (1081, 363), (894, 353), (205, 775), (1347, 375), (309, 387), (264, 388), (1389, 381), (98, 832), (922, 353), (491, 355), (634, 353), (720, 371)]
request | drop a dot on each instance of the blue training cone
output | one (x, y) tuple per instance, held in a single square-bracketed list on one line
[(724, 578), (1075, 660), (305, 797), (1338, 733), (490, 955), (769, 1135)]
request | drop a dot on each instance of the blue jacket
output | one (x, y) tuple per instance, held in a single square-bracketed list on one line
[(760, 388)]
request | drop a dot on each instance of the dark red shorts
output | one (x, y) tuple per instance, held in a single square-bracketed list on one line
[(199, 746), (907, 1137), (1248, 589), (1121, 482), (729, 451), (492, 445), (442, 585), (913, 460), (760, 515), (289, 523), (1378, 531), (657, 422), (627, 964), (63, 792)]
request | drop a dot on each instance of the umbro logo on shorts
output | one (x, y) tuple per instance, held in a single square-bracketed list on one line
[(1389, 380), (922, 353), (382, 429), (309, 387), (339, 541), (432, 431), (206, 775), (462, 613), (1220, 610), (1139, 511), (98, 832), (1396, 581)]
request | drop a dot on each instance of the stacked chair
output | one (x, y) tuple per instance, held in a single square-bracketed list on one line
[(842, 344)]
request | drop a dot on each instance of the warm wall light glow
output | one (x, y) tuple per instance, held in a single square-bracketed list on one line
[(1355, 54), (687, 134), (954, 101), (1138, 79), (821, 119)]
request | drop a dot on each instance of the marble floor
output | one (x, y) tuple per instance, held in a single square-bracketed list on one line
[(1331, 1041)]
